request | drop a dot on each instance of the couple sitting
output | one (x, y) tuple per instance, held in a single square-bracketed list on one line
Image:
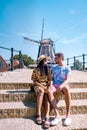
[(49, 82)]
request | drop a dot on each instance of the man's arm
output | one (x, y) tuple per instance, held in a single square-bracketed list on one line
[(66, 81)]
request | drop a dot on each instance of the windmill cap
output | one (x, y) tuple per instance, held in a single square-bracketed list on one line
[(42, 57)]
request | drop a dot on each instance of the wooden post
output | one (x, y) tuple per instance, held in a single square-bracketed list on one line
[(74, 62), (20, 60), (67, 61), (12, 64), (83, 61)]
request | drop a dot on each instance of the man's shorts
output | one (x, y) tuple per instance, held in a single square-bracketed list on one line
[(55, 87)]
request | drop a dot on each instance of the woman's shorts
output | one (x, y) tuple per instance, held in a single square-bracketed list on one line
[(37, 89)]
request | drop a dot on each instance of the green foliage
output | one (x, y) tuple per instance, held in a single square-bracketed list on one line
[(27, 60), (77, 65)]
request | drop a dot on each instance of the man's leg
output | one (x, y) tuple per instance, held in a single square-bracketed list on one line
[(57, 118), (67, 99), (53, 101), (68, 104)]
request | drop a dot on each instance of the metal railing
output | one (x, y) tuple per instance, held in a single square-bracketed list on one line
[(11, 59), (82, 62)]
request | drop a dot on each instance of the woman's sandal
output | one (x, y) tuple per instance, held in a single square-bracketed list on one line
[(46, 124), (38, 119)]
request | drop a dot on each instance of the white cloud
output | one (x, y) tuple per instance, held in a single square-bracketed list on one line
[(76, 25), (85, 20), (72, 12), (54, 36), (73, 40), (30, 35), (23, 34)]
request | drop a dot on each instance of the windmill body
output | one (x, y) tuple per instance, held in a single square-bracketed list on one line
[(46, 47)]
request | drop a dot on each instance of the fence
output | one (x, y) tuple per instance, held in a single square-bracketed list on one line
[(77, 62), (11, 59)]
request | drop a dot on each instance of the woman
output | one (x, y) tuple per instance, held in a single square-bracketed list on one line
[(41, 77)]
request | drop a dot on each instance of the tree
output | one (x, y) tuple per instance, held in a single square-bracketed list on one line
[(77, 65), (27, 60)]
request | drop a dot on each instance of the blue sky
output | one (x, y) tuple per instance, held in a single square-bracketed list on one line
[(65, 21)]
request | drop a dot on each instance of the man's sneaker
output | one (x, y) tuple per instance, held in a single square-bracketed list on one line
[(67, 122), (55, 121)]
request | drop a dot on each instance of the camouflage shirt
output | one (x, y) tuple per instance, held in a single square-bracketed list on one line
[(43, 79)]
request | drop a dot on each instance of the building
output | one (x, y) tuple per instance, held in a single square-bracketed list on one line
[(3, 65)]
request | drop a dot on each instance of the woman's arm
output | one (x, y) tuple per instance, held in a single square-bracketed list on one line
[(39, 84)]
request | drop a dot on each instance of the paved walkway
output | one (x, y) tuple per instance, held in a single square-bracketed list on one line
[(16, 76), (24, 76), (79, 122)]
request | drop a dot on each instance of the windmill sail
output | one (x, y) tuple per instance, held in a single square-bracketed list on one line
[(26, 38), (46, 46)]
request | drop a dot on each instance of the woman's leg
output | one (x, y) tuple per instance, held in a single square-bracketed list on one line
[(39, 92), (47, 110), (47, 105), (40, 95)]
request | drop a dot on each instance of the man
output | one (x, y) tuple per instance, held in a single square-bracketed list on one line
[(60, 76)]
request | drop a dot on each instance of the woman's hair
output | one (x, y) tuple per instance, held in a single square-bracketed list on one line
[(42, 67)]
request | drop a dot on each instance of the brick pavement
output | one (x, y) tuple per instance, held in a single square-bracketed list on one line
[(79, 122), (24, 76)]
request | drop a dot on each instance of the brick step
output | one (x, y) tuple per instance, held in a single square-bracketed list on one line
[(79, 122), (28, 85), (15, 86), (27, 94), (16, 95), (28, 109), (78, 85)]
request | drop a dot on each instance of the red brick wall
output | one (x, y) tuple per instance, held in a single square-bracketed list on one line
[(3, 65)]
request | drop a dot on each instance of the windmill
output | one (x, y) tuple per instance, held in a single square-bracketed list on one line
[(46, 46)]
